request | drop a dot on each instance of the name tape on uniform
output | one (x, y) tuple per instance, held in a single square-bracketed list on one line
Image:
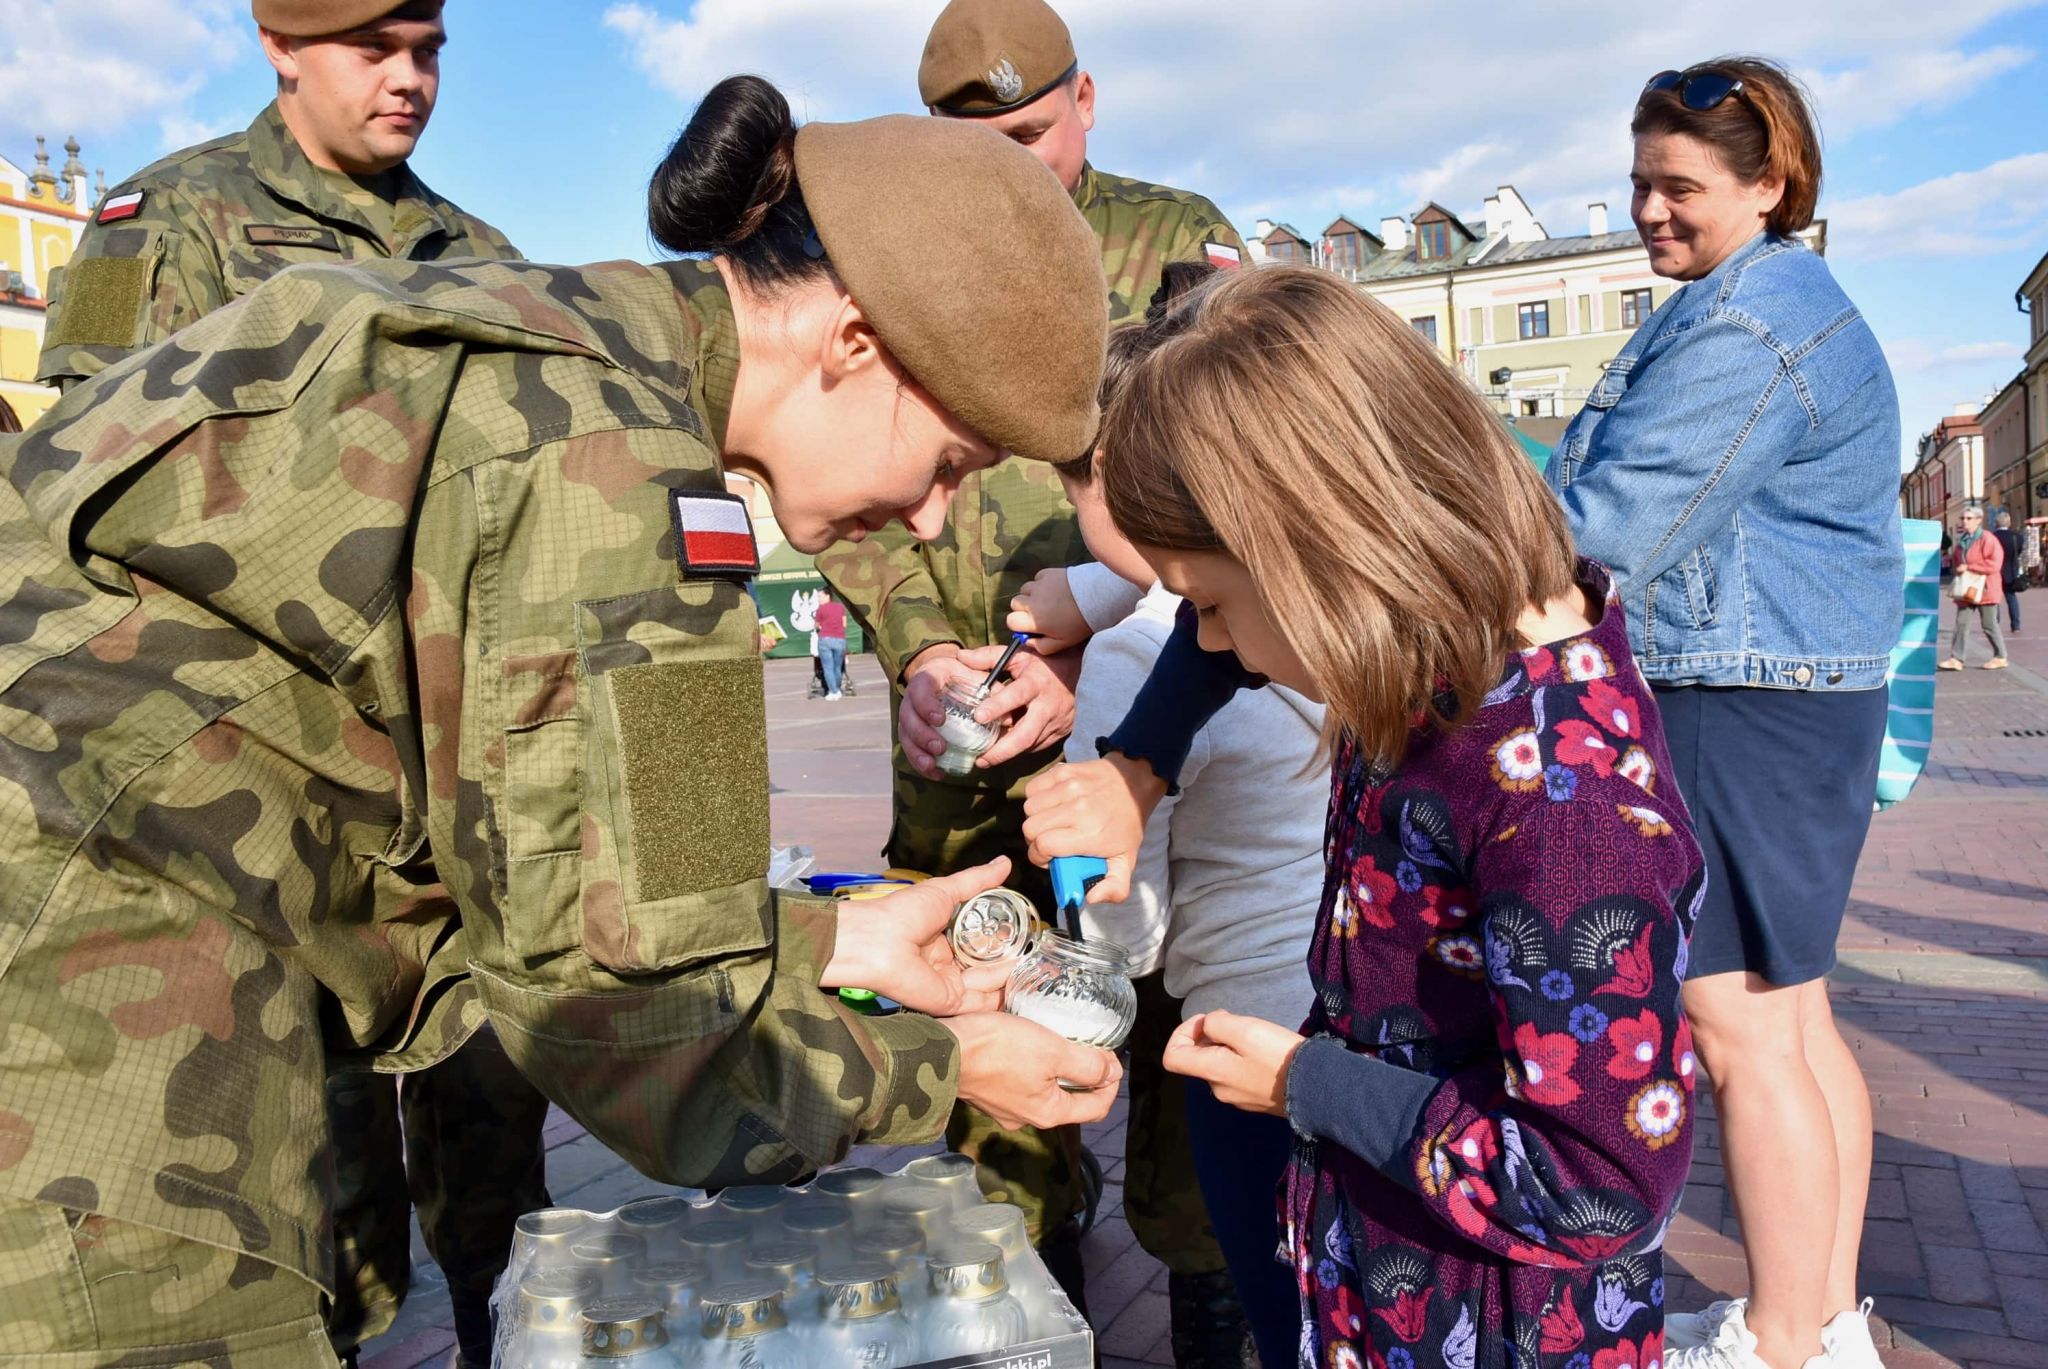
[(1221, 256), (714, 535), (121, 207), (285, 235)]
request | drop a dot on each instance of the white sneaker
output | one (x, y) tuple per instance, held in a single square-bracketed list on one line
[(1733, 1347), (1847, 1337), (830, 698), (1684, 1330)]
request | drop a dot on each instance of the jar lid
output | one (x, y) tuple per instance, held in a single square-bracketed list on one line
[(968, 1270), (856, 1181), (783, 1259), (990, 927), (915, 1197), (857, 1289), (552, 1227), (816, 1219), (753, 1198), (619, 1328), (894, 1241), (946, 1166), (609, 1248), (720, 1233), (550, 1300), (671, 1277), (748, 1307), (654, 1215)]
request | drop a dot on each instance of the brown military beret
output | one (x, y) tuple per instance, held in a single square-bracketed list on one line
[(319, 18), (977, 271), (987, 57)]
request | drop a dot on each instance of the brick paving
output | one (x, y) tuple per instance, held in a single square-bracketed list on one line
[(1942, 992)]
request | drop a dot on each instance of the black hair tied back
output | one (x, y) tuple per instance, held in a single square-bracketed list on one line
[(728, 185)]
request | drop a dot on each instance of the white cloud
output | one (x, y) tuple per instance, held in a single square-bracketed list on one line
[(1299, 109), (1913, 356), (1996, 208), (89, 67)]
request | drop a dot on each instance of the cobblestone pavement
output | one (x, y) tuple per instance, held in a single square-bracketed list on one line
[(1942, 990)]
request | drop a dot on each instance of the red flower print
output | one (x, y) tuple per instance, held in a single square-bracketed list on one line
[(1580, 743), (1372, 892), (1547, 1060), (1518, 762), (1632, 973), (1636, 1042), (1344, 1310), (1585, 660), (1637, 767), (1539, 662), (1623, 1355), (1613, 710), (1468, 1200), (1595, 1247), (1460, 955), (1446, 906), (1682, 1056), (1408, 1318), (1479, 1145), (1562, 1329), (1652, 1356), (1656, 1114)]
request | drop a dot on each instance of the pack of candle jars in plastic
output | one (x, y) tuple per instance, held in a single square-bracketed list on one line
[(857, 1268)]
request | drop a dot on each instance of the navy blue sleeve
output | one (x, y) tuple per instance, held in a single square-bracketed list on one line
[(1367, 1106), (1187, 687)]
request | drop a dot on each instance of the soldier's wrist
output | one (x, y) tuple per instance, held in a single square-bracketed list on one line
[(931, 653)]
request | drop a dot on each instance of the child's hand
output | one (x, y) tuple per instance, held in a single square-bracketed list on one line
[(1039, 692), (1096, 808), (1046, 609), (1243, 1059)]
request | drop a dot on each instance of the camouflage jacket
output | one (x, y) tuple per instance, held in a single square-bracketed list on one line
[(1011, 521), (212, 223), (361, 589)]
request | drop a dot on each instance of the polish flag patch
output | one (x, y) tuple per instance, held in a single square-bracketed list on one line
[(120, 207), (714, 535), (1222, 256)]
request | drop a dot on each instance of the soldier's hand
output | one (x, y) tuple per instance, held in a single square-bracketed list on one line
[(1045, 608), (1040, 694), (1013, 1070), (1096, 808), (922, 710), (897, 946)]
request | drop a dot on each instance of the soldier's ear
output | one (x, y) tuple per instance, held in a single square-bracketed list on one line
[(851, 344), (1084, 99), (281, 52)]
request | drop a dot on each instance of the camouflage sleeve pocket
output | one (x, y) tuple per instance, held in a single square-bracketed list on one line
[(107, 290), (676, 778)]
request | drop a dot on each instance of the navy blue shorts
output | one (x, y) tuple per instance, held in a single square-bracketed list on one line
[(1780, 784)]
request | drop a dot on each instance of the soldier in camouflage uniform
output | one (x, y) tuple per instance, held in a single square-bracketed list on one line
[(364, 676), (1010, 64), (320, 177)]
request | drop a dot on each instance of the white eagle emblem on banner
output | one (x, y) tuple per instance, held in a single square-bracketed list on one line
[(1004, 80)]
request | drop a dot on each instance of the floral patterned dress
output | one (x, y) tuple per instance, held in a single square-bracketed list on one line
[(1506, 916)]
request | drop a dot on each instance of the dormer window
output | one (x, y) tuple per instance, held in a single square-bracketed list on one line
[(1432, 240)]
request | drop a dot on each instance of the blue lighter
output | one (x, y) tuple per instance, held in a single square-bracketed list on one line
[(1072, 878)]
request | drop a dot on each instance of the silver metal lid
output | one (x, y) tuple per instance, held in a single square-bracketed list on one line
[(753, 1198), (551, 1228), (855, 1182), (609, 1249), (895, 1241), (549, 1301), (968, 1270), (736, 1311), (857, 1289), (783, 1260), (720, 1233), (620, 1328), (654, 1216), (989, 928), (672, 1277)]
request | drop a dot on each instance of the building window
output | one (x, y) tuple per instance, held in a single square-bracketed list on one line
[(1281, 249), (1432, 240), (1534, 319), (1344, 253), (1529, 408), (1635, 308), (1426, 325)]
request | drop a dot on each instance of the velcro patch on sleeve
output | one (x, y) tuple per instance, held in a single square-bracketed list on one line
[(101, 304), (714, 535), (286, 235), (694, 751)]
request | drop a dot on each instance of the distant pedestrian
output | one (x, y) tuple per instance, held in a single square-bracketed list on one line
[(1978, 588), (2012, 543), (1736, 468), (832, 644)]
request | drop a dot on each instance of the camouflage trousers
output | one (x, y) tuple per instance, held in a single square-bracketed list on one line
[(940, 828), (461, 1141), (78, 1289)]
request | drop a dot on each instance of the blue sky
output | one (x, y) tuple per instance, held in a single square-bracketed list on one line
[(553, 111)]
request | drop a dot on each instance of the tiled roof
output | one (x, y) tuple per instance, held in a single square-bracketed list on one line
[(1396, 265)]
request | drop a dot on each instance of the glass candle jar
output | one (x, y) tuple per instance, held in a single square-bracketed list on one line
[(970, 1311), (951, 1173), (862, 1325), (900, 1245), (1080, 989), (745, 1328), (791, 1264), (1002, 1226), (925, 1206), (677, 1284), (965, 738), (547, 1318), (992, 927), (612, 1257), (657, 1221), (541, 1240), (719, 1244), (859, 1187)]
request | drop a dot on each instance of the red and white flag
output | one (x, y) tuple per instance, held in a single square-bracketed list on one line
[(121, 207), (1221, 255), (714, 535)]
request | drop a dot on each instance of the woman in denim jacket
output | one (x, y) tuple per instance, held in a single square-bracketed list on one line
[(1737, 469)]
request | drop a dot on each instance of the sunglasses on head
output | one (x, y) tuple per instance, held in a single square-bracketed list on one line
[(1698, 91)]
